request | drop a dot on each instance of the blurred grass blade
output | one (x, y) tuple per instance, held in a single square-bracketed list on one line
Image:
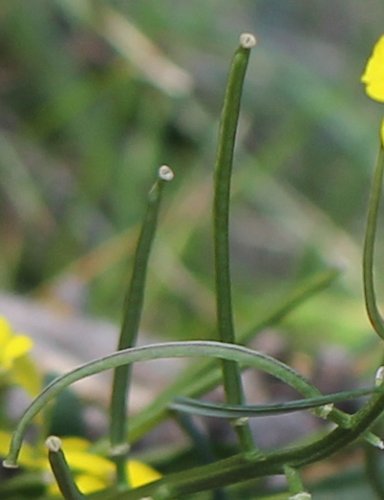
[(20, 187), (129, 41)]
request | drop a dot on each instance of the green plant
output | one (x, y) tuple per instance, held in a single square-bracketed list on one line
[(250, 462)]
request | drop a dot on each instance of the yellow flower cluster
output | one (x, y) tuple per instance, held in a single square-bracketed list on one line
[(92, 472)]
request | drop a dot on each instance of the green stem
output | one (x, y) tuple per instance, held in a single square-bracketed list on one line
[(242, 467), (61, 470), (206, 409), (197, 436), (202, 445), (191, 349), (224, 472), (294, 481), (223, 171), (201, 377), (369, 246), (373, 470), (130, 325), (25, 485)]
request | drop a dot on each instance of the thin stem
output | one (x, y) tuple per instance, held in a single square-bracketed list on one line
[(204, 408), (130, 325), (240, 467), (61, 470), (224, 472), (202, 445), (223, 171), (203, 376), (373, 469), (197, 436), (369, 247), (294, 481), (191, 349), (22, 486)]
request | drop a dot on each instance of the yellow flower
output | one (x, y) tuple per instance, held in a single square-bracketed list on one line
[(373, 76), (15, 366)]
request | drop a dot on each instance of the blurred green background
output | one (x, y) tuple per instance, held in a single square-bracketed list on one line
[(96, 95)]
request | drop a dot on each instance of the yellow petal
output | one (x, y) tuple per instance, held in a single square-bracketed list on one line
[(140, 473), (375, 90), (89, 484), (94, 465), (26, 375), (373, 76), (5, 439), (75, 443), (5, 331), (17, 346)]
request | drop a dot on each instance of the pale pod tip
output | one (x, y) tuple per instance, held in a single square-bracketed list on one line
[(166, 173), (53, 443), (247, 40)]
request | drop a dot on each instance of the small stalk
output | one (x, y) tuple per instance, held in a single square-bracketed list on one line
[(374, 315), (197, 436), (130, 325), (223, 170), (61, 470), (295, 484)]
